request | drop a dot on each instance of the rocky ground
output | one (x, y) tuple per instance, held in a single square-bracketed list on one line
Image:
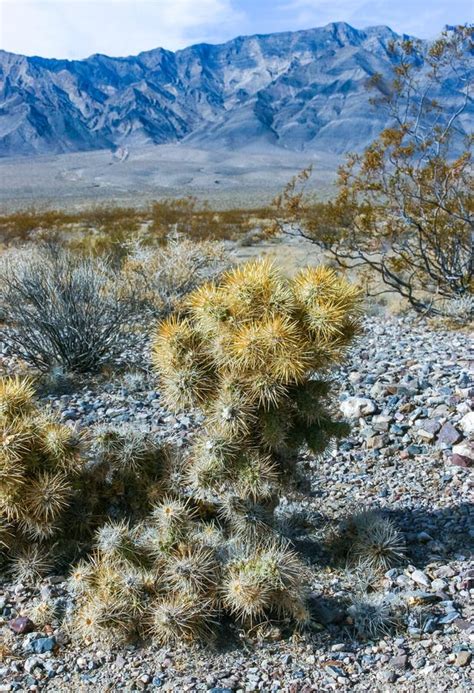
[(406, 388)]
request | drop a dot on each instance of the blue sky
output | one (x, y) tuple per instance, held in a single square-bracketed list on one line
[(78, 28)]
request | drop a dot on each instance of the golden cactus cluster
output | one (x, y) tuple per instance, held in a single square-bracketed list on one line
[(176, 578), (194, 543), (251, 352), (39, 461)]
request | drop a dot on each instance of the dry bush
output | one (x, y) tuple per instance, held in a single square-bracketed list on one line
[(111, 230), (63, 310), (22, 225), (200, 222), (404, 207), (162, 277), (455, 313), (108, 231)]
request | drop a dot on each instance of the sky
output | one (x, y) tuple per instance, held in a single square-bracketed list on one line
[(75, 29)]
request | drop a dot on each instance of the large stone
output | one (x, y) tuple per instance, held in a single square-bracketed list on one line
[(355, 407), (461, 461), (463, 658), (400, 662), (448, 435), (467, 423), (21, 625), (427, 428), (420, 578), (42, 645)]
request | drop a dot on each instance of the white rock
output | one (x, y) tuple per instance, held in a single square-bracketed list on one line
[(355, 407), (465, 449), (420, 578), (467, 423), (31, 663)]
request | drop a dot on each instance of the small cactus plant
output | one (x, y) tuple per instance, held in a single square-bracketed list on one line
[(370, 541), (39, 461)]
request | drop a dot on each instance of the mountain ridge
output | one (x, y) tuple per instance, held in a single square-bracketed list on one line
[(303, 90)]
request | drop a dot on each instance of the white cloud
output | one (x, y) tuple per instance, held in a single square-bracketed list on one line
[(78, 28)]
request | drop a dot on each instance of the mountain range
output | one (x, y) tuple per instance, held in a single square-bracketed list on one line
[(303, 91)]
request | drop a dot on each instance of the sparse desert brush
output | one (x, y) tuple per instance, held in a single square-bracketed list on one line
[(456, 313), (62, 310), (161, 277), (39, 464), (101, 228), (24, 225), (199, 222)]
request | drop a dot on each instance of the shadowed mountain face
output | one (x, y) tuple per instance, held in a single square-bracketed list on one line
[(302, 90)]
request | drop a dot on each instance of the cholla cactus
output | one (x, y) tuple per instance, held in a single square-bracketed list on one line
[(370, 541), (268, 579), (128, 470), (164, 579), (250, 352), (374, 615), (39, 462)]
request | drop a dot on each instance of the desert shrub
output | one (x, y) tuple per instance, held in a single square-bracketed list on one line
[(245, 350), (63, 310), (26, 224), (160, 278), (456, 312), (97, 229), (40, 465), (199, 222), (107, 232), (404, 206), (111, 230)]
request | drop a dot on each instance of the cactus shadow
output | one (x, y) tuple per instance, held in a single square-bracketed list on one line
[(436, 535)]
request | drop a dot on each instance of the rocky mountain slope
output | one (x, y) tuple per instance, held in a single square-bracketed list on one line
[(302, 90)]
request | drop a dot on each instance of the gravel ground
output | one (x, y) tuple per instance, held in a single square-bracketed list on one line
[(407, 390)]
